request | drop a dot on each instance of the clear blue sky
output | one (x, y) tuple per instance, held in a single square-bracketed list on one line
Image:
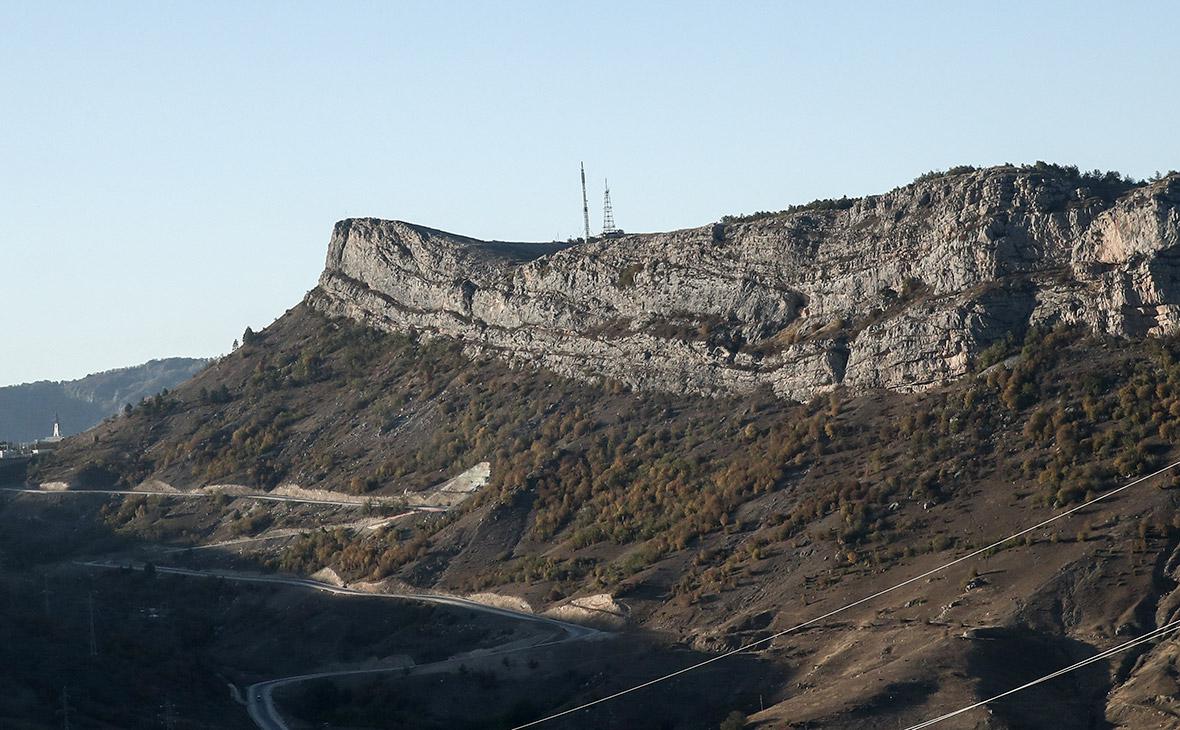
[(170, 172)]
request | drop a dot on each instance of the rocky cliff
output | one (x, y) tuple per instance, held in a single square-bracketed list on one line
[(899, 291)]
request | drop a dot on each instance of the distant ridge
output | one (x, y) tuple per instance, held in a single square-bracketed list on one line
[(27, 410)]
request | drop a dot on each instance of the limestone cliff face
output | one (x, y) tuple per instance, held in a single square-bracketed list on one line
[(897, 291)]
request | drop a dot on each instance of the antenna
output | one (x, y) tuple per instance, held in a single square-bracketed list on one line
[(585, 203), (609, 230)]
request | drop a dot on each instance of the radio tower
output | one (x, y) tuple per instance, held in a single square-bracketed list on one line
[(608, 216), (585, 203)]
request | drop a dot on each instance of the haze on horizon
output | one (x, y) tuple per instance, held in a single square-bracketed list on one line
[(171, 173)]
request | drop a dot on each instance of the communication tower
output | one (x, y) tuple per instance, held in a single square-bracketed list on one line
[(609, 230), (585, 204)]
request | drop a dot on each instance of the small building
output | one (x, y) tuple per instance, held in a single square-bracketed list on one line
[(53, 439), (49, 443)]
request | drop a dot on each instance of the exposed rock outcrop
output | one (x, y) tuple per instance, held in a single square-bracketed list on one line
[(898, 291)]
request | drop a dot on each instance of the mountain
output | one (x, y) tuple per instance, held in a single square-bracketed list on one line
[(710, 436), (27, 411), (900, 291)]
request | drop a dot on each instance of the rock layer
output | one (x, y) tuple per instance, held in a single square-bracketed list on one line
[(898, 291)]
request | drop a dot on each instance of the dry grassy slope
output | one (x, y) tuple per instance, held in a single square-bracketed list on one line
[(903, 657), (719, 521), (266, 414)]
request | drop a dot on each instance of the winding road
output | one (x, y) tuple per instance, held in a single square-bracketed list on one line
[(259, 696), (260, 699)]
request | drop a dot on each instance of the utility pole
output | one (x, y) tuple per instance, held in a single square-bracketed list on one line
[(65, 708), (585, 203), (93, 636)]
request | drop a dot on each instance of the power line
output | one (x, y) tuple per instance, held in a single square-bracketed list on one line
[(65, 708), (848, 606), (1150, 636)]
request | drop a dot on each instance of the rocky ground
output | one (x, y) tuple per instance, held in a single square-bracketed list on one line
[(899, 291)]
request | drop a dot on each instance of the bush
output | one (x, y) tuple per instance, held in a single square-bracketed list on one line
[(939, 174), (627, 275), (97, 475), (733, 721), (821, 204)]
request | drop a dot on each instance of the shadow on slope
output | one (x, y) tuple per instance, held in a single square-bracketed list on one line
[(1010, 657)]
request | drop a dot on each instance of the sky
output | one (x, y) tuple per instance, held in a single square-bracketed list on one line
[(170, 172)]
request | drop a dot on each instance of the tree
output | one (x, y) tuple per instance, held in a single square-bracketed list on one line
[(249, 337), (734, 721)]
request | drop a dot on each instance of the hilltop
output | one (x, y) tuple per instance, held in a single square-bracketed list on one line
[(900, 291)]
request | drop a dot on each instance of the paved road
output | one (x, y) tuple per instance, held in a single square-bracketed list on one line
[(570, 629), (213, 495), (283, 533), (259, 697)]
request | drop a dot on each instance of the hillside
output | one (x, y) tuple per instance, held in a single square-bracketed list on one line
[(27, 410), (664, 449)]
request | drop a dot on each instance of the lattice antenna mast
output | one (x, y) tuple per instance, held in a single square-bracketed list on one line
[(585, 203), (608, 215)]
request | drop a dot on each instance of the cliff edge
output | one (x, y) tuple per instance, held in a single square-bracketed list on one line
[(900, 291)]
